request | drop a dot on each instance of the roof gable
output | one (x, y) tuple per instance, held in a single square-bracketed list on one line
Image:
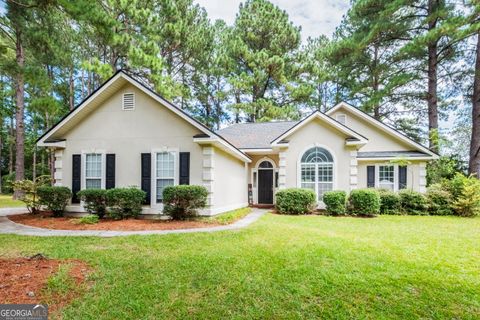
[(381, 127)]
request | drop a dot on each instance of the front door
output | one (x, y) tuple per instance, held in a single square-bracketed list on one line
[(265, 186)]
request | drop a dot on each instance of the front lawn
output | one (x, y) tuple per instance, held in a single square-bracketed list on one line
[(281, 267), (6, 201)]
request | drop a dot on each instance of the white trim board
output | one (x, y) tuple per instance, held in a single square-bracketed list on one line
[(383, 127)]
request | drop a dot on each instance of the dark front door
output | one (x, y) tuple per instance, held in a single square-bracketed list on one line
[(265, 186)]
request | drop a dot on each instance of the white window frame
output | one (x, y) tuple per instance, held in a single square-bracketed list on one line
[(334, 167), (153, 185), (395, 175), (123, 101), (83, 184)]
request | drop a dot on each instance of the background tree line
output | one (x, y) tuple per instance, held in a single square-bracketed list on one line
[(410, 63)]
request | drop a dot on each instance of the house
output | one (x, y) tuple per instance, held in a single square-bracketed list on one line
[(125, 134)]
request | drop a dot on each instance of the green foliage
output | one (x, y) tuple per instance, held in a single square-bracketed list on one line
[(55, 198), (413, 202), (89, 219), (466, 195), (125, 202), (439, 200), (335, 202), (445, 167), (94, 201), (389, 202), (29, 192), (364, 202), (295, 201), (181, 202), (7, 183)]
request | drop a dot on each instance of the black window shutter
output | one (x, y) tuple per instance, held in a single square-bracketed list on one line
[(110, 172), (402, 177), (370, 176), (184, 168), (146, 175), (76, 176)]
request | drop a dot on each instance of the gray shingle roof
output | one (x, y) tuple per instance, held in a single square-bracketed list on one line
[(391, 154), (255, 135)]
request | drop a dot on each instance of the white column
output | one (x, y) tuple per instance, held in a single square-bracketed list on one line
[(422, 173), (353, 170), (58, 167), (282, 169), (208, 172)]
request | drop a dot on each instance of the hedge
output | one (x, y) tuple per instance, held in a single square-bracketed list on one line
[(295, 201), (94, 201), (335, 202), (125, 202), (389, 202), (181, 202), (413, 202), (54, 198), (365, 202)]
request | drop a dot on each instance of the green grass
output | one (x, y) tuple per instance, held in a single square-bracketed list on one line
[(230, 216), (281, 267), (6, 201)]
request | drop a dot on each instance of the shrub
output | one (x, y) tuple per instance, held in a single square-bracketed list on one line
[(413, 202), (365, 202), (466, 195), (335, 202), (7, 183), (94, 201), (125, 202), (89, 219), (28, 192), (54, 198), (295, 201), (181, 202), (389, 202), (439, 201)]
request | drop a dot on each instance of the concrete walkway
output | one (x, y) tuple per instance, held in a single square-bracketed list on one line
[(9, 227), (9, 211)]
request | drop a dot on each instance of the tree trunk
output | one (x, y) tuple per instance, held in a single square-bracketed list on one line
[(10, 146), (432, 99), (19, 114), (71, 90), (474, 163)]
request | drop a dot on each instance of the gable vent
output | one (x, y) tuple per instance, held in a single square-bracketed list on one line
[(128, 101), (342, 118)]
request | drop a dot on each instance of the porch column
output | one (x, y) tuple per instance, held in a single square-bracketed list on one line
[(208, 172), (353, 170), (282, 169), (422, 173), (58, 167)]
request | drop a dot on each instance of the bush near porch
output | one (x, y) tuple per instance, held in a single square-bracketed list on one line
[(295, 201)]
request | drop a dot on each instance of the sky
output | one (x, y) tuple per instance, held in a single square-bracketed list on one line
[(316, 17)]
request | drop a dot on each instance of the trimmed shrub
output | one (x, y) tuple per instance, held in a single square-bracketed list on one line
[(54, 198), (365, 202), (295, 201), (335, 202), (389, 202), (439, 201), (94, 201), (181, 202), (413, 202), (88, 219), (125, 202)]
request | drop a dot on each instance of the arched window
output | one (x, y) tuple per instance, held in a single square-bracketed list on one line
[(316, 168), (265, 165)]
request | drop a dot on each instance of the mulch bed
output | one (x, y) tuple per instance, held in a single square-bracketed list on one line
[(66, 223), (23, 280)]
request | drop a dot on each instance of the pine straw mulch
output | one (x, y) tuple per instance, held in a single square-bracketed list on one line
[(45, 220)]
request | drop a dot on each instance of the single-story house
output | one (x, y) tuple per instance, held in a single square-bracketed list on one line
[(124, 134)]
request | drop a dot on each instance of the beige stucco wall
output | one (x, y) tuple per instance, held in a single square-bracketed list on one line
[(229, 183), (416, 174), (378, 140), (321, 134)]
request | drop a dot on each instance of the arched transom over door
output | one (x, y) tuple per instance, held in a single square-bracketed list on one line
[(265, 182), (316, 171)]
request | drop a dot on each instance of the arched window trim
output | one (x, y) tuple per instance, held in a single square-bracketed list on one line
[(333, 164)]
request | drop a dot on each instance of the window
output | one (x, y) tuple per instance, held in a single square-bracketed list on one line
[(93, 171), (128, 101), (386, 177), (165, 172), (342, 118), (316, 171)]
